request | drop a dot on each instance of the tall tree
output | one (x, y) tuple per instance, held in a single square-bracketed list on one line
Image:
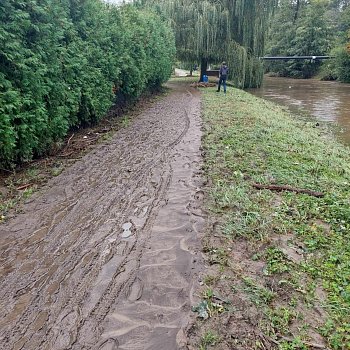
[(310, 33), (209, 31), (341, 51)]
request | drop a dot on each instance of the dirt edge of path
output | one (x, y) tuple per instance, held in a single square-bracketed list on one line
[(18, 185)]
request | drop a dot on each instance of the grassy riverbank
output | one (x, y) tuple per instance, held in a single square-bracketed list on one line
[(278, 262)]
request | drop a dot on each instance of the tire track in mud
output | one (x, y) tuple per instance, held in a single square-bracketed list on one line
[(69, 280)]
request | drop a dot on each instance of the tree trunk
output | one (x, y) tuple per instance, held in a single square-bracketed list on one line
[(296, 13), (204, 65)]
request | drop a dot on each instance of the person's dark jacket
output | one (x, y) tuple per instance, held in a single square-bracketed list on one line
[(223, 71)]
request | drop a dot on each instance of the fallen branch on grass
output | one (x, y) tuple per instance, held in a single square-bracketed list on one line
[(69, 140), (203, 84), (8, 171), (287, 188), (23, 187), (313, 345), (90, 141), (65, 154)]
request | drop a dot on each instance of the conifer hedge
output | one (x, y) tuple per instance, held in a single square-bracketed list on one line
[(63, 63)]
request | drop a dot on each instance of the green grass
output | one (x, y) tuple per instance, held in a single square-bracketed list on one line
[(208, 340), (258, 294), (248, 140)]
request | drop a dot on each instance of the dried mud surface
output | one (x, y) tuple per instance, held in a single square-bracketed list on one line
[(107, 255)]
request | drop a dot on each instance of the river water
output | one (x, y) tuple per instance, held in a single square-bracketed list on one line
[(324, 101)]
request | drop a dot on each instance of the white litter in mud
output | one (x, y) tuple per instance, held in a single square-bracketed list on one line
[(127, 232), (127, 226)]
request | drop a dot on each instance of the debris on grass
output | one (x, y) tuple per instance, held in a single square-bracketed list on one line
[(203, 309), (203, 85)]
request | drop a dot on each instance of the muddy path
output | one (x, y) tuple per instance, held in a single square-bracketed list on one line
[(107, 256)]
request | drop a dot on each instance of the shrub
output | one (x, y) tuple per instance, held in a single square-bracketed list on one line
[(343, 65), (60, 62)]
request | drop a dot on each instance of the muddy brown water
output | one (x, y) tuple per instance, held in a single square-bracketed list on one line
[(325, 101), (107, 255)]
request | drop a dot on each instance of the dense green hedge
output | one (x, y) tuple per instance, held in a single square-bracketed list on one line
[(61, 60)]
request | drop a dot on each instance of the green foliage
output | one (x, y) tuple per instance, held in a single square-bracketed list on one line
[(339, 66), (294, 344), (208, 339), (276, 261), (314, 28), (259, 295), (300, 29), (62, 61), (209, 31), (342, 64)]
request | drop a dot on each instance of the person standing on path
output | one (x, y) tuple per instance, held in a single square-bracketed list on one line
[(223, 73)]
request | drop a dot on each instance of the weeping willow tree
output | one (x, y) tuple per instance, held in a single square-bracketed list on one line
[(210, 31)]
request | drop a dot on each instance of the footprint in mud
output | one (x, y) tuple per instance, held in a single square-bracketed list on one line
[(194, 210), (199, 195), (183, 182), (199, 224), (135, 290), (64, 331), (140, 217), (141, 212), (144, 198), (110, 344), (198, 181), (195, 163), (163, 202), (88, 334)]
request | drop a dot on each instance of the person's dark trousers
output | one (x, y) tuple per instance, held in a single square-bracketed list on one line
[(222, 81)]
